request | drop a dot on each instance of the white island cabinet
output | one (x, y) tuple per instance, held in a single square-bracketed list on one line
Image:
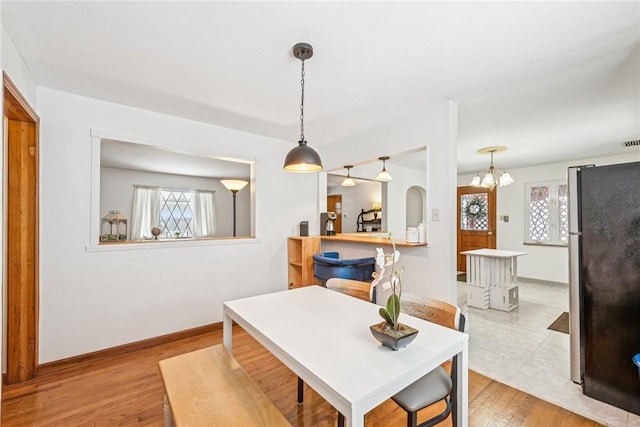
[(492, 278)]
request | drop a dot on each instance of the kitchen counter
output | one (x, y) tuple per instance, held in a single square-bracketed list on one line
[(373, 238)]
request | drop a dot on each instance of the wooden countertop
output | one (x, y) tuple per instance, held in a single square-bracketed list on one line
[(365, 238)]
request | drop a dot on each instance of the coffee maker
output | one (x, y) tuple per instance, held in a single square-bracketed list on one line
[(327, 219)]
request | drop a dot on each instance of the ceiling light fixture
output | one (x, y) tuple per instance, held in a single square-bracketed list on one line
[(348, 181), (384, 175), (491, 180), (302, 158)]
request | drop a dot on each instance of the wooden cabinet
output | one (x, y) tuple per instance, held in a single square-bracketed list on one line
[(300, 262)]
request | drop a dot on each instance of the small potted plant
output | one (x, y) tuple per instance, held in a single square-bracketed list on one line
[(390, 332)]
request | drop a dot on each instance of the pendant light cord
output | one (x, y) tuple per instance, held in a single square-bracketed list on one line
[(302, 104), (491, 168)]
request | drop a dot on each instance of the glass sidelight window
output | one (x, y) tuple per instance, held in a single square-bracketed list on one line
[(547, 214)]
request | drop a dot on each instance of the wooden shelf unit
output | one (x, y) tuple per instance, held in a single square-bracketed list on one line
[(300, 262), (371, 218)]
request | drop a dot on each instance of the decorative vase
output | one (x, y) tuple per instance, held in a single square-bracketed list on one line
[(395, 339)]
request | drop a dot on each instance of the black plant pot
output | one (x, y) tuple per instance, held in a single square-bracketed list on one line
[(394, 339)]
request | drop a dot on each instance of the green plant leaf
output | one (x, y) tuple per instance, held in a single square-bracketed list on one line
[(387, 318), (393, 307)]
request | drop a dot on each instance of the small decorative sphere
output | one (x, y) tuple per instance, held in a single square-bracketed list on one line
[(156, 231)]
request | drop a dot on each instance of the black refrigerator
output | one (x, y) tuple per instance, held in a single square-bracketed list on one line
[(604, 281)]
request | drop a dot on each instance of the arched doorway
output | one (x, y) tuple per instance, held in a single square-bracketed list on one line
[(416, 206)]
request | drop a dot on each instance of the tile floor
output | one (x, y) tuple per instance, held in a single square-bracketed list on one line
[(517, 349)]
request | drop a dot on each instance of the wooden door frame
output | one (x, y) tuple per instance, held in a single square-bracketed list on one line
[(492, 215), (22, 306)]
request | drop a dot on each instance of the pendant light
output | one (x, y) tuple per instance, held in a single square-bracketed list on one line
[(490, 179), (384, 175), (348, 181), (302, 158)]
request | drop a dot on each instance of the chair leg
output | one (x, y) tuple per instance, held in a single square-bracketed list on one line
[(454, 411), (300, 391), (412, 419), (340, 420)]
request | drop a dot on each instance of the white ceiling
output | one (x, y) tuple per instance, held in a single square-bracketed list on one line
[(550, 80), (138, 157)]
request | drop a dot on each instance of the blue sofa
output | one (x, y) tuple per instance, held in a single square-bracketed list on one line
[(328, 264)]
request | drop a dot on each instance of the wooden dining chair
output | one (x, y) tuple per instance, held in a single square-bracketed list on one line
[(438, 385)]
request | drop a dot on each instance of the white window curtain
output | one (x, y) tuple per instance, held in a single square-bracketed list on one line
[(204, 214), (145, 212)]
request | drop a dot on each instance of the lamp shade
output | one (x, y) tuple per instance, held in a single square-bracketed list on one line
[(383, 176), (234, 184), (348, 182), (114, 216), (505, 179), (302, 159), (475, 182), (488, 181)]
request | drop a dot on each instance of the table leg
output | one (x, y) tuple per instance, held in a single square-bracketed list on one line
[(463, 386), (168, 415), (227, 323)]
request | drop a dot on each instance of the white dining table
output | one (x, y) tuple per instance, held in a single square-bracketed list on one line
[(323, 337)]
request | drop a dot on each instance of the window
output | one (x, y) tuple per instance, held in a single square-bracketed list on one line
[(473, 212), (172, 213), (546, 211), (176, 213)]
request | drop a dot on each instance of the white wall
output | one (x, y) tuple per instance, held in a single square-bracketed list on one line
[(91, 300), (431, 270), (354, 199), (549, 263), (17, 70), (116, 192)]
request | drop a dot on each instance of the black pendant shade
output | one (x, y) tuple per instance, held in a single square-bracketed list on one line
[(302, 159)]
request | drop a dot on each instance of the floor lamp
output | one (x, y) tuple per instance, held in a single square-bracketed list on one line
[(234, 185)]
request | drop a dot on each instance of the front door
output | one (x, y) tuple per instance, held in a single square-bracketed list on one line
[(476, 221), (334, 204)]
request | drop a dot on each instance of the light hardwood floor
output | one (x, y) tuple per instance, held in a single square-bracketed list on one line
[(127, 390)]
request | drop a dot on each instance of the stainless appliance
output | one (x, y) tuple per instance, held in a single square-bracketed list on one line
[(604, 281), (329, 226)]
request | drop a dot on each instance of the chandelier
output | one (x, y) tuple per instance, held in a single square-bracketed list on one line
[(491, 179)]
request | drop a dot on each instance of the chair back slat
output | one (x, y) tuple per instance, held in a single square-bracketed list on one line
[(431, 309), (354, 288)]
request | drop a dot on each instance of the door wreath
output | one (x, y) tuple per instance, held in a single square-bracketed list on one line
[(476, 209)]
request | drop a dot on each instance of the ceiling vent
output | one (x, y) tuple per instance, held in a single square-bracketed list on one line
[(635, 143)]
